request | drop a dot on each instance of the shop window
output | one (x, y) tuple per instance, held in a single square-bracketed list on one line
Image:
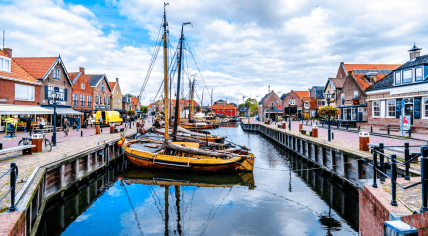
[(418, 74), (24, 92), (75, 100), (391, 108), (345, 113), (397, 78), (407, 76), (376, 108)]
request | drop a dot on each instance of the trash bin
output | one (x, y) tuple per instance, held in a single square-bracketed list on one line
[(315, 131), (37, 139), (364, 141), (97, 129), (284, 125), (300, 127), (112, 128)]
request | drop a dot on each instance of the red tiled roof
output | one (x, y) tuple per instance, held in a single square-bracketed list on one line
[(351, 67), (338, 83), (223, 107), (134, 100), (312, 102), (17, 72), (150, 105), (112, 84), (302, 93), (37, 66), (361, 79)]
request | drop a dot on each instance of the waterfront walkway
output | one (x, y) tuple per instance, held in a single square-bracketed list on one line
[(66, 146)]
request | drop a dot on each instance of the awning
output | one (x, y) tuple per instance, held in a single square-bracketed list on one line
[(64, 111), (350, 106), (23, 110)]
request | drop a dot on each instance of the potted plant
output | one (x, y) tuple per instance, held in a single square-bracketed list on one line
[(328, 111)]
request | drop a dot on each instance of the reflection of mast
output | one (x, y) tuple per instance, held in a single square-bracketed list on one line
[(166, 210), (177, 203)]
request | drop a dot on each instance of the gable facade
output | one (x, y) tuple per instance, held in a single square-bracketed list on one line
[(116, 96)]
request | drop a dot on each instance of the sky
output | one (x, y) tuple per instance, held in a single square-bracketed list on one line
[(240, 47)]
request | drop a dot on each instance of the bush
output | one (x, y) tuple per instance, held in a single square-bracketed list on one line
[(327, 111)]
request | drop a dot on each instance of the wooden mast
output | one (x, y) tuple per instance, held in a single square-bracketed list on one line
[(165, 80), (191, 98)]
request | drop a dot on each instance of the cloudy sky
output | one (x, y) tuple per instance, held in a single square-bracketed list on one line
[(241, 47)]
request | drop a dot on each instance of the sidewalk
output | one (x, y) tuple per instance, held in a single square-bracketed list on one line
[(65, 146)]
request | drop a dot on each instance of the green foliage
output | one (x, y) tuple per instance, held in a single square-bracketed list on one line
[(130, 113), (327, 111), (254, 108), (144, 109)]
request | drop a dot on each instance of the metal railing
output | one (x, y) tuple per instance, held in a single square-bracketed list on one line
[(13, 177), (393, 161)]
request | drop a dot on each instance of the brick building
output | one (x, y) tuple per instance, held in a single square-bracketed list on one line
[(53, 75), (227, 110), (126, 103), (333, 86), (402, 92), (101, 92), (293, 103), (268, 105), (135, 104), (351, 98), (81, 93), (317, 92), (116, 97)]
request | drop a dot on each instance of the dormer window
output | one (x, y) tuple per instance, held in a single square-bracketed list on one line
[(407, 76), (5, 64), (419, 74), (56, 74), (397, 77)]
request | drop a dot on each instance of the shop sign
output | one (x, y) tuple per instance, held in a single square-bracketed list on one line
[(405, 123), (57, 102), (101, 107)]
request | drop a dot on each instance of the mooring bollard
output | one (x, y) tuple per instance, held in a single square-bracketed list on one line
[(424, 178), (394, 179), (13, 174), (382, 161), (101, 130), (371, 129), (410, 132), (1, 146), (406, 158), (332, 135), (81, 133), (315, 131), (374, 185)]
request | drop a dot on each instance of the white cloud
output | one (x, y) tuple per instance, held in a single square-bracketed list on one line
[(81, 10)]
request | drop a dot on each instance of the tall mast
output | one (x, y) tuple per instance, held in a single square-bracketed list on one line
[(191, 98), (165, 65), (177, 102)]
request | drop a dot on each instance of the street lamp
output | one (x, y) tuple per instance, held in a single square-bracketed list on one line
[(328, 96), (276, 112), (289, 114), (55, 97)]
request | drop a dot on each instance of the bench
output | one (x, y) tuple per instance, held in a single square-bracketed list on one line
[(26, 149), (394, 128), (119, 129), (44, 130), (304, 131)]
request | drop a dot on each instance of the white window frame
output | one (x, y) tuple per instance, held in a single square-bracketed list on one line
[(102, 86), (56, 74), (89, 100), (422, 74), (82, 86), (292, 101), (82, 100), (373, 108), (3, 66), (388, 105), (411, 76), (345, 113), (356, 95), (306, 105), (342, 99), (424, 107), (75, 99), (31, 93), (395, 78)]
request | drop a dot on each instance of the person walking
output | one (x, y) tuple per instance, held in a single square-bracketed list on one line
[(41, 123), (66, 127), (28, 121)]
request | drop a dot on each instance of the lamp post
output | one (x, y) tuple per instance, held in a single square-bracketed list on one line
[(55, 97), (289, 114), (328, 95), (276, 112)]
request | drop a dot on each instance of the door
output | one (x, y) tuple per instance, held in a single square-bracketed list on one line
[(360, 114), (348, 114), (382, 109), (408, 108)]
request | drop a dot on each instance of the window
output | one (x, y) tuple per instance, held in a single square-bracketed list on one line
[(342, 97), (391, 108), (98, 101), (83, 86), (425, 107), (307, 105), (356, 95), (106, 100), (117, 92), (61, 94), (292, 101), (50, 90), (75, 100), (418, 74), (345, 113), (353, 114), (82, 100), (407, 76), (397, 78), (56, 74), (102, 86), (5, 64), (89, 100), (323, 103), (376, 108), (24, 92)]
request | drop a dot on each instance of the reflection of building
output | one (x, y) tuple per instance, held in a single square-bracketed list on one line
[(403, 91)]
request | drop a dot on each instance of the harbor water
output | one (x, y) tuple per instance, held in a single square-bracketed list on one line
[(285, 195)]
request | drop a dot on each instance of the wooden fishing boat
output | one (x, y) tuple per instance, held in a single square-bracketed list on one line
[(200, 136), (184, 156), (198, 126)]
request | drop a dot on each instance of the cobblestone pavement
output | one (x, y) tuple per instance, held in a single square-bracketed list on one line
[(65, 146), (412, 197)]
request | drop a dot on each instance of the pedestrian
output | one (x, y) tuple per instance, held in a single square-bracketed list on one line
[(100, 120), (41, 123), (66, 127), (28, 121)]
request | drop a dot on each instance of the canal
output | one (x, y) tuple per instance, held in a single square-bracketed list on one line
[(284, 196)]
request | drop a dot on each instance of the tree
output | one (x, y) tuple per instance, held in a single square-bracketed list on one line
[(252, 103), (144, 109)]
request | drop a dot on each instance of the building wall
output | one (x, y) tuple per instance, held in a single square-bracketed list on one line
[(7, 90), (298, 101), (331, 89), (226, 112), (116, 97), (348, 89), (62, 82), (103, 94), (341, 72), (77, 88)]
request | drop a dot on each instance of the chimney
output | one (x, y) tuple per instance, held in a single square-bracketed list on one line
[(81, 69), (269, 89), (414, 52), (117, 80), (8, 51), (371, 77)]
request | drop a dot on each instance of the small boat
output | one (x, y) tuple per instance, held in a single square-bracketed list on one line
[(200, 136)]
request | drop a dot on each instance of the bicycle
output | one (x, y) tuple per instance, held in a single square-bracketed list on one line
[(47, 145)]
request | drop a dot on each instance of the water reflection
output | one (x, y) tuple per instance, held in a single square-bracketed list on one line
[(284, 196)]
